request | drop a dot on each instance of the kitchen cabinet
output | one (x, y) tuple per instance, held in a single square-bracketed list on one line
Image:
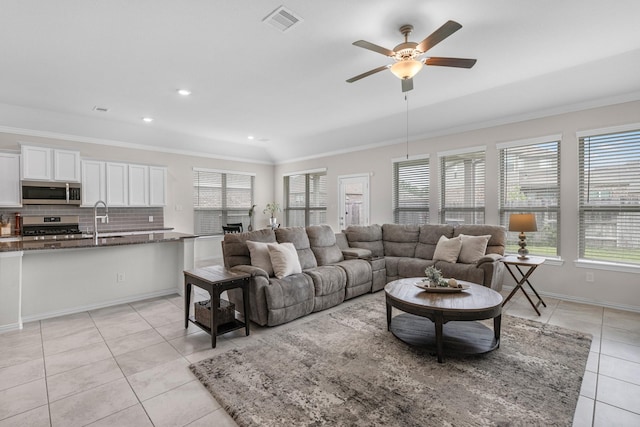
[(157, 186), (48, 164), (10, 180), (123, 184), (66, 165), (138, 185), (93, 182), (117, 184)]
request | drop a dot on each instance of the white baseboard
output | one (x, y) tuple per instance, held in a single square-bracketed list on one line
[(110, 303), (9, 327), (580, 300)]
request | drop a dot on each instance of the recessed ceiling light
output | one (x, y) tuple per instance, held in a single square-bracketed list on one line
[(184, 92), (147, 119), (250, 137)]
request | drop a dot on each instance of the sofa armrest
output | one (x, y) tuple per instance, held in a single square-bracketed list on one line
[(356, 253), (488, 258), (250, 269)]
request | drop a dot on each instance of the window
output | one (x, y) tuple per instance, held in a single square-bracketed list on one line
[(219, 198), (306, 198), (462, 187), (411, 191), (530, 183), (609, 200)]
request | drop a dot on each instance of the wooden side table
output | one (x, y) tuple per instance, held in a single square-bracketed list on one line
[(531, 263), (215, 280)]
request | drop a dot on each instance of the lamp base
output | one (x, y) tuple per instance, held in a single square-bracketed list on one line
[(523, 252)]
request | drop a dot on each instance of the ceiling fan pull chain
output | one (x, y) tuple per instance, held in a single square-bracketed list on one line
[(406, 98)]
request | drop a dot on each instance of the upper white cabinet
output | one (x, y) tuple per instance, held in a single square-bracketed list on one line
[(94, 185), (10, 180), (157, 186), (123, 184), (138, 185), (117, 184), (36, 163), (66, 165), (48, 164)]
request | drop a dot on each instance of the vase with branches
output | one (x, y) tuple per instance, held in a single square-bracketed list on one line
[(272, 208)]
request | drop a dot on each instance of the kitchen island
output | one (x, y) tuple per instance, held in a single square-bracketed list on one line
[(43, 279)]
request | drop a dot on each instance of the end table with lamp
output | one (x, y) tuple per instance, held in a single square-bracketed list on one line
[(522, 223)]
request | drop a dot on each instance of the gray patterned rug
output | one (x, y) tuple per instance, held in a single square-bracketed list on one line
[(343, 368)]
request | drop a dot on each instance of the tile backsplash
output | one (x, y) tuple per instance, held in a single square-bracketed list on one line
[(120, 219)]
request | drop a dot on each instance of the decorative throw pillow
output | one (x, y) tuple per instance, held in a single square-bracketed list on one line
[(284, 259), (473, 248), (447, 249), (260, 256)]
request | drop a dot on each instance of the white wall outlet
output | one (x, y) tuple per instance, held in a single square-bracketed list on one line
[(120, 277), (150, 218), (178, 208), (589, 276)]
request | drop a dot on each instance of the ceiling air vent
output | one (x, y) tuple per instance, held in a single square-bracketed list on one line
[(282, 19), (100, 109)]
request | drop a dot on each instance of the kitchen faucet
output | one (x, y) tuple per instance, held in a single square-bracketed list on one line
[(104, 217)]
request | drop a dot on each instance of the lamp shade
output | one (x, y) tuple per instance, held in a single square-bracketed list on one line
[(523, 222), (406, 69)]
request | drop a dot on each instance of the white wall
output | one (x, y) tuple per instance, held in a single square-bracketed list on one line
[(613, 288)]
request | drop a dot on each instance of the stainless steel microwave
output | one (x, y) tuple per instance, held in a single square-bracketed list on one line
[(50, 193)]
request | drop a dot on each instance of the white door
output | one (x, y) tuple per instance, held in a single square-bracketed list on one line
[(354, 200)]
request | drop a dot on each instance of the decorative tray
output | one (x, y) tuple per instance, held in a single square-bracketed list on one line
[(442, 289)]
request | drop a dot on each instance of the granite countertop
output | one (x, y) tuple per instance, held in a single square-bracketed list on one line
[(132, 239)]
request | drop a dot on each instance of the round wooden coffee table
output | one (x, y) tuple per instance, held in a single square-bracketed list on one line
[(468, 337)]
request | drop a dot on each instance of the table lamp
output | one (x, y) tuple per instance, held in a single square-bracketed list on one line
[(522, 223)]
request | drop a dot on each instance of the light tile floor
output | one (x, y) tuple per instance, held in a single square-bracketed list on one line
[(128, 366)]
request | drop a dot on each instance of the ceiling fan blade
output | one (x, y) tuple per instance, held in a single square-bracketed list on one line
[(407, 85), (374, 47), (438, 35), (368, 73), (451, 62)]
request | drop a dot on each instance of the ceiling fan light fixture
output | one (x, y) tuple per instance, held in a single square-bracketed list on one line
[(406, 69)]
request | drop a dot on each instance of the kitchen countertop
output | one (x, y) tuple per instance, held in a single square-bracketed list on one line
[(131, 239)]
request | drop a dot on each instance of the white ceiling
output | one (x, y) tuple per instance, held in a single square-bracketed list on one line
[(59, 59)]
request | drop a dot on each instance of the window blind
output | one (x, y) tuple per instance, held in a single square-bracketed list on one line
[(530, 183), (220, 198), (411, 191), (609, 197), (306, 199), (462, 188)]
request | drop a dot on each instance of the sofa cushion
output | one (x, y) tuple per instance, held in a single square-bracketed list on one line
[(298, 236), (329, 282), (447, 249), (322, 240), (288, 298), (497, 232), (260, 256), (366, 237), (400, 240), (284, 259), (412, 267), (429, 237), (473, 248), (469, 272), (234, 246)]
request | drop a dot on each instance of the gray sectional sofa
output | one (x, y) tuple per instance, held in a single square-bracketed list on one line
[(361, 259)]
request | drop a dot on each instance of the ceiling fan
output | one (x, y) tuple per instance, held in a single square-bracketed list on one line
[(407, 55)]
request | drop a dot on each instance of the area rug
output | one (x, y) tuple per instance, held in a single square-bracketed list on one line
[(343, 368)]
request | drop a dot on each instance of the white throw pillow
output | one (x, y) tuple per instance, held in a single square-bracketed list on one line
[(284, 259), (473, 248), (260, 256), (447, 249)]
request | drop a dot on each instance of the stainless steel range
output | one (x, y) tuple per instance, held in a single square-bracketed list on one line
[(64, 227)]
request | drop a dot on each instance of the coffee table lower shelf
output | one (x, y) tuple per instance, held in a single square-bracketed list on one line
[(468, 337), (222, 329)]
